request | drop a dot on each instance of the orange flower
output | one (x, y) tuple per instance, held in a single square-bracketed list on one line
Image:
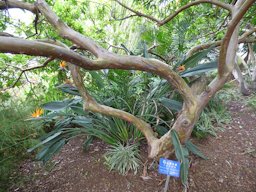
[(181, 68), (67, 81), (63, 64), (37, 113)]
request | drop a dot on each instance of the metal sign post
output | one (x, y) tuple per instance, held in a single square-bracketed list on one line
[(169, 168), (167, 183)]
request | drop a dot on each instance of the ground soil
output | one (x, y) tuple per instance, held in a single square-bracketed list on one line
[(231, 166)]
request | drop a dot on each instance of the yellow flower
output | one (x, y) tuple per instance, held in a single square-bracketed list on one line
[(37, 113), (181, 68), (63, 64)]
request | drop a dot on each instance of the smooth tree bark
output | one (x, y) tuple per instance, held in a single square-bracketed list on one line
[(252, 61), (239, 77), (193, 102)]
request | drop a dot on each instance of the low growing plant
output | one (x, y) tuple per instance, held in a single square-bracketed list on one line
[(123, 158), (251, 102)]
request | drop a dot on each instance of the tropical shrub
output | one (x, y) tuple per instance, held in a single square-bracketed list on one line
[(123, 158)]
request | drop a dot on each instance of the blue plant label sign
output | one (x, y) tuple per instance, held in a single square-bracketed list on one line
[(169, 167)]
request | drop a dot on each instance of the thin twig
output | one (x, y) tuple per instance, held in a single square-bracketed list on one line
[(159, 56), (170, 17), (27, 69), (214, 2), (124, 18), (138, 13)]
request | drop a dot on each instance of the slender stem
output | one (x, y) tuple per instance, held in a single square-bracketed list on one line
[(169, 18), (138, 13), (214, 2)]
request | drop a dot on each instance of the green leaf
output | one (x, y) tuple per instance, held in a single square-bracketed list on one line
[(177, 145), (161, 130), (82, 121), (87, 143), (194, 59), (45, 141), (97, 77), (42, 153), (194, 149), (56, 105), (52, 150), (66, 88), (63, 123), (182, 155), (184, 171), (202, 68), (171, 104), (78, 109)]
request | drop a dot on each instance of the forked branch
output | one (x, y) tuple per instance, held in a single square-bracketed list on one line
[(90, 104), (226, 66), (170, 17), (106, 59)]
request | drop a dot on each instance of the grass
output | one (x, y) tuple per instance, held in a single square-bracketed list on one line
[(16, 136), (251, 102)]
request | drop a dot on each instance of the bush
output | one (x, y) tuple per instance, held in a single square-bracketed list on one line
[(123, 158)]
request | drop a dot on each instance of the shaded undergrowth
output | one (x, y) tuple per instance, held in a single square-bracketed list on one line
[(16, 136)]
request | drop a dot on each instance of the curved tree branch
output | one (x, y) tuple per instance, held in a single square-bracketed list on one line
[(229, 45), (17, 4), (247, 33), (113, 61), (6, 34), (169, 18), (68, 33), (214, 2), (110, 61), (216, 44), (124, 18), (91, 105), (226, 66)]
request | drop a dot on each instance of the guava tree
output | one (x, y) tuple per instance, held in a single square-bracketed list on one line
[(100, 58)]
